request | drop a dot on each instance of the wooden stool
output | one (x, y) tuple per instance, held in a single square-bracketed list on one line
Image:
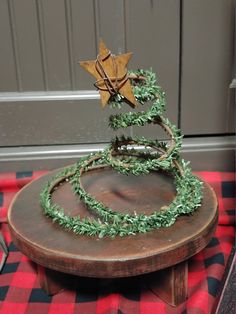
[(161, 254)]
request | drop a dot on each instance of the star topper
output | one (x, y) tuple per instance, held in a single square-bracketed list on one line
[(111, 74)]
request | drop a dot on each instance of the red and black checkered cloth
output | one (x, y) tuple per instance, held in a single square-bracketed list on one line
[(20, 292)]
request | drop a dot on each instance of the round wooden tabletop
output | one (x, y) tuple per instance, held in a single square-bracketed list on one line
[(49, 245)]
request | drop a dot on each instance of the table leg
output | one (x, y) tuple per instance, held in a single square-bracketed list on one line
[(51, 281), (170, 284)]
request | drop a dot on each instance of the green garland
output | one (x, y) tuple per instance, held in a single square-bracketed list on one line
[(155, 156)]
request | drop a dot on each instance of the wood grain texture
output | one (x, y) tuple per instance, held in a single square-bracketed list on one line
[(50, 281), (171, 284), (49, 245)]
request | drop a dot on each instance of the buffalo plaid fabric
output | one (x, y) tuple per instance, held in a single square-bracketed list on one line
[(20, 291)]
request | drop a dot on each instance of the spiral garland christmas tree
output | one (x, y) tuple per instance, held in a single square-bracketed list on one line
[(127, 155)]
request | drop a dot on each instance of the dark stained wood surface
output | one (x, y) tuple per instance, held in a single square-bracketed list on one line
[(171, 284), (51, 246)]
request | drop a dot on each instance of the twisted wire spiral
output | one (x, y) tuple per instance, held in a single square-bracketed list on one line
[(112, 83), (122, 156)]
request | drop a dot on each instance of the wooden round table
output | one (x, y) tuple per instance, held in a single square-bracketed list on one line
[(62, 252)]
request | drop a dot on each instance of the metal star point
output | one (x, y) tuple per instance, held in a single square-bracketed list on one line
[(111, 74)]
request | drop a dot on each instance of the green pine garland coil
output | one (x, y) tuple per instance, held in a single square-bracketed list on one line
[(156, 155)]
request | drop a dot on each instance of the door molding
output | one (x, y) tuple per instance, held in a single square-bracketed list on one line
[(204, 153)]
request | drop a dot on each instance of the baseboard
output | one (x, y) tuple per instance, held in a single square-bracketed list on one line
[(204, 153)]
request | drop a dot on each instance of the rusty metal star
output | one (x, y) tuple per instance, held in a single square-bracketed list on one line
[(111, 74)]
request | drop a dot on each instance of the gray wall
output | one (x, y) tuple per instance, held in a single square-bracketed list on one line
[(49, 111)]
